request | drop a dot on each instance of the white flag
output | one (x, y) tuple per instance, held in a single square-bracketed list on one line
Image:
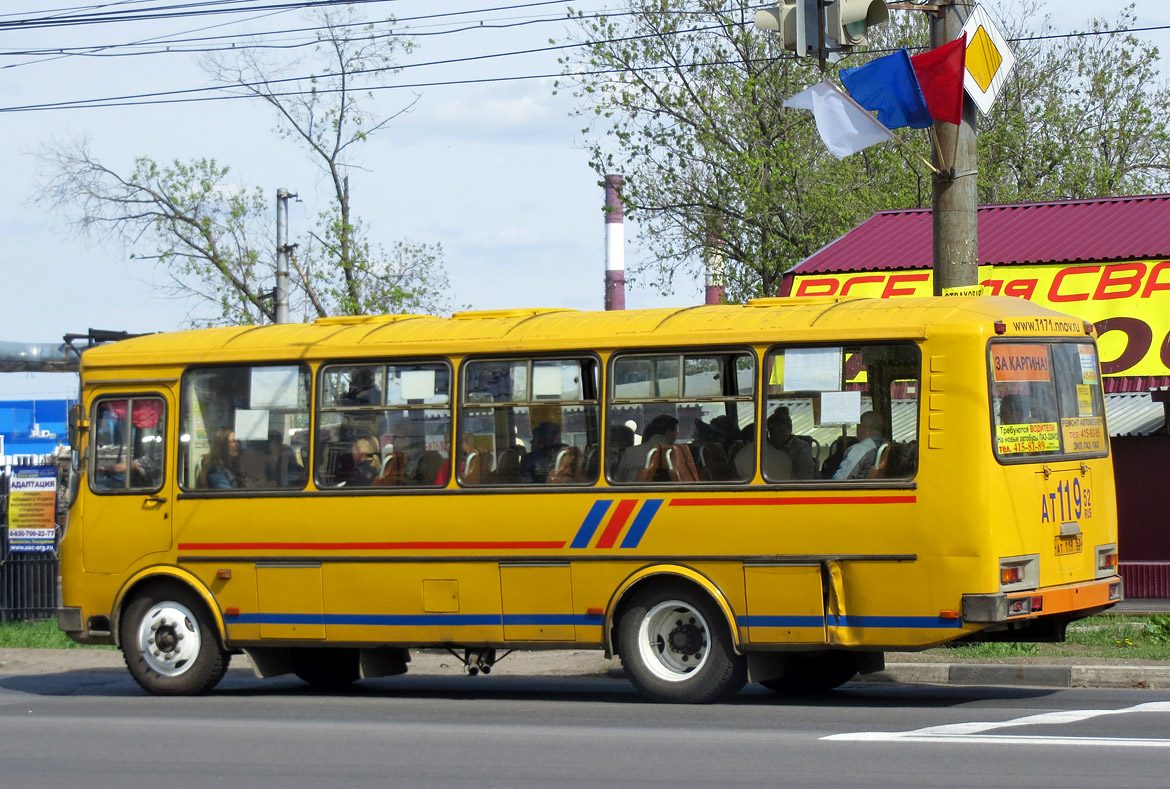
[(844, 125)]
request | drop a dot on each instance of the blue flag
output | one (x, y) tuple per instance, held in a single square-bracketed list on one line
[(889, 86)]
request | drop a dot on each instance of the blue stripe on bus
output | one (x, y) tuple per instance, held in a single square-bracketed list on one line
[(781, 621), (895, 621), (403, 620), (641, 522), (589, 526), (914, 622)]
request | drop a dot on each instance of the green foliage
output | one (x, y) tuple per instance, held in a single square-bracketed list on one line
[(683, 97), (40, 634)]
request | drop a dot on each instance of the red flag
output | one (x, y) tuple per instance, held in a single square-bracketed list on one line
[(940, 75)]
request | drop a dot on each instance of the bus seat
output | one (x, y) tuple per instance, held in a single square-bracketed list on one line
[(650, 469), (814, 447), (680, 465), (566, 467), (475, 468), (592, 463), (393, 470), (713, 463), (508, 467), (880, 462)]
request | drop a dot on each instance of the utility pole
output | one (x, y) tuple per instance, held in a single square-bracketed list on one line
[(282, 250), (954, 201), (615, 244)]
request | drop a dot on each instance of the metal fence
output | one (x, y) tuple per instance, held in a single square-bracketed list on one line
[(28, 581)]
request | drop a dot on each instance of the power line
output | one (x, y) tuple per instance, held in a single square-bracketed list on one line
[(183, 96), (173, 12)]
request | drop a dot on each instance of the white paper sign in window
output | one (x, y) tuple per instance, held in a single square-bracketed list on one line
[(252, 425), (546, 381), (417, 384), (840, 408), (275, 387), (812, 369)]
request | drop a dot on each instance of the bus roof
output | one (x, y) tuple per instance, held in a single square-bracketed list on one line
[(807, 319)]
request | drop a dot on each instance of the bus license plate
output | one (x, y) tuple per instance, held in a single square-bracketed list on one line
[(1072, 543)]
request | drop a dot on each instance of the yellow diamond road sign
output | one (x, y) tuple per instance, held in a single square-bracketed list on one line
[(989, 59)]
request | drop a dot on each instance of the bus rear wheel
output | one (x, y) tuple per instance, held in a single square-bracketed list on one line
[(814, 674), (675, 647), (170, 645), (326, 668)]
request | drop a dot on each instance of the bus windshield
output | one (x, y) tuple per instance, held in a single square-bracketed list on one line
[(1046, 400)]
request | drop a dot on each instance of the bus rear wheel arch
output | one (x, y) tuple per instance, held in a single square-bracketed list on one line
[(676, 646), (170, 642)]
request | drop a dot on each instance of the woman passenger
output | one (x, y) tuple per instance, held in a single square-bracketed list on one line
[(222, 466)]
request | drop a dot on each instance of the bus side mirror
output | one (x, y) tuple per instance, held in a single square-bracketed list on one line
[(77, 424)]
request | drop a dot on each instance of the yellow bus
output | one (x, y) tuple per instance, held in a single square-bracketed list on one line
[(777, 492)]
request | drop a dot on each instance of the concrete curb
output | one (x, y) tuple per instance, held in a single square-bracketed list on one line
[(1046, 676)]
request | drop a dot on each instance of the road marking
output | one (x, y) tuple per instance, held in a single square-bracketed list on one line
[(973, 732)]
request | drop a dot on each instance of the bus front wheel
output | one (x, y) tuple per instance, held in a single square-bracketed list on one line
[(675, 647), (170, 645)]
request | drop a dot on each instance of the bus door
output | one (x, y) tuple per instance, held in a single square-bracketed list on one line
[(785, 604), (128, 515)]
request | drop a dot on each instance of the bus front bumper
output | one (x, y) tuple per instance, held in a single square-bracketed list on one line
[(1005, 607)]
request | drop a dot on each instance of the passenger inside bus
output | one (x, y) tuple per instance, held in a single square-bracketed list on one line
[(546, 443), (786, 456), (1013, 410), (221, 465), (367, 462), (862, 456), (636, 460)]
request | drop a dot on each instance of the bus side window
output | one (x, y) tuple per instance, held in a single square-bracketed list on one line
[(528, 422), (384, 425), (853, 409), (678, 417), (244, 426)]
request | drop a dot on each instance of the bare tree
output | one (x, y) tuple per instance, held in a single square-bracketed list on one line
[(203, 230)]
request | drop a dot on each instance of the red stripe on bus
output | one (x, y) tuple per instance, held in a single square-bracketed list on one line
[(620, 515), (366, 546), (754, 502)]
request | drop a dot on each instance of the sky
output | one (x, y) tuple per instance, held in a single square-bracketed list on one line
[(495, 171)]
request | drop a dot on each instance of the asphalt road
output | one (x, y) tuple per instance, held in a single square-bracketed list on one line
[(95, 728)]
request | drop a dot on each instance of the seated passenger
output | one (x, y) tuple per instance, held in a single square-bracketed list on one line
[(546, 442), (785, 455), (1013, 410), (661, 431), (621, 438), (367, 463), (221, 468), (860, 457)]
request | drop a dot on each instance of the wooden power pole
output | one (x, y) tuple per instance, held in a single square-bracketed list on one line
[(955, 197)]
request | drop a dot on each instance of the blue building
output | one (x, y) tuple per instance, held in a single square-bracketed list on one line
[(33, 427)]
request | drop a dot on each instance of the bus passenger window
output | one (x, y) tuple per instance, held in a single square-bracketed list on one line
[(529, 422), (244, 427), (384, 425), (679, 417), (841, 413)]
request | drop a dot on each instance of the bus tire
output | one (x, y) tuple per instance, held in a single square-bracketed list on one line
[(169, 643), (814, 674), (327, 668), (676, 648)]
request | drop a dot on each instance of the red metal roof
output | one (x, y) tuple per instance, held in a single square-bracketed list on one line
[(1102, 229)]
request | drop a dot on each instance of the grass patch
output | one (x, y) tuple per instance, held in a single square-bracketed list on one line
[(1116, 636), (41, 634)]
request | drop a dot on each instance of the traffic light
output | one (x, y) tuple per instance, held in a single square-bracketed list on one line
[(796, 21), (782, 20), (846, 21)]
